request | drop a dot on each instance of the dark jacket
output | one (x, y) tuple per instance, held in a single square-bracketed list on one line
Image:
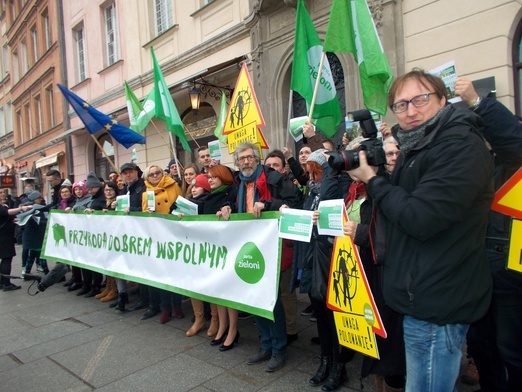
[(504, 133), (436, 206), (34, 230), (7, 233), (320, 247), (97, 201), (214, 201), (135, 192)]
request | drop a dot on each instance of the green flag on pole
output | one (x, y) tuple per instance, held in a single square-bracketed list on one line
[(351, 29), (148, 110), (164, 105), (222, 117), (134, 108), (305, 68)]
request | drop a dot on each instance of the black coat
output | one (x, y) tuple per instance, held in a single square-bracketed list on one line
[(214, 201), (7, 232), (97, 201), (436, 207)]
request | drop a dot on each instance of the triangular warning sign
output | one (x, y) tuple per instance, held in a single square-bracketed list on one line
[(244, 108), (348, 288), (508, 199)]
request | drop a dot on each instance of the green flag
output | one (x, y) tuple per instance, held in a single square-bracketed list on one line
[(164, 105), (148, 110), (133, 107), (351, 29), (222, 117), (307, 56)]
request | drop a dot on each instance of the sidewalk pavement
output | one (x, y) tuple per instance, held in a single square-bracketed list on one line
[(56, 341)]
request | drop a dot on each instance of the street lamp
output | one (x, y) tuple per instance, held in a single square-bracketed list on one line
[(195, 98)]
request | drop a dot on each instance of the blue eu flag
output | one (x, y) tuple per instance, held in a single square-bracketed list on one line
[(95, 121)]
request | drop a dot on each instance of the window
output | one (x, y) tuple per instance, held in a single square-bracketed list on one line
[(16, 71), (27, 114), (80, 52), (50, 104), (3, 130), (34, 39), (46, 29), (8, 117), (38, 108), (23, 57), (111, 34), (4, 62), (20, 126), (102, 165), (163, 9)]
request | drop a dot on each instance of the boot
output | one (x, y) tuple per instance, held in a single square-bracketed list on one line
[(387, 388), (123, 299), (165, 316), (113, 290), (322, 373), (214, 321), (178, 313), (336, 378), (379, 383), (106, 291), (199, 321), (94, 290)]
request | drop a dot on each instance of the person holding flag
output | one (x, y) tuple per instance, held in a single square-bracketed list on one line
[(317, 87)]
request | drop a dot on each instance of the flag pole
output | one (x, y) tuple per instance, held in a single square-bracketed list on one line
[(289, 116), (317, 82), (105, 153)]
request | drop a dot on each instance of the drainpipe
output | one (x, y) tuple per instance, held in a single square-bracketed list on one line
[(66, 121)]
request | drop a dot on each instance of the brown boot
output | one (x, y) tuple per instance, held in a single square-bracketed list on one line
[(214, 321), (199, 322), (106, 291), (113, 293), (379, 383)]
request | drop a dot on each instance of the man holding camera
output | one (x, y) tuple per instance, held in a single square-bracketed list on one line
[(435, 269)]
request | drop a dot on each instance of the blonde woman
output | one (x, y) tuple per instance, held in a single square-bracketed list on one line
[(166, 192)]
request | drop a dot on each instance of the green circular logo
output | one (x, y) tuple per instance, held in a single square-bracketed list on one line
[(250, 264), (368, 314)]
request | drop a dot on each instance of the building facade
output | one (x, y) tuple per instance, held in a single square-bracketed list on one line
[(199, 45)]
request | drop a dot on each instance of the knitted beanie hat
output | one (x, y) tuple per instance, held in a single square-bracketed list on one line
[(80, 184), (317, 156), (201, 180), (92, 181)]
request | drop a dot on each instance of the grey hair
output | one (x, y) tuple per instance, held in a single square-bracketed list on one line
[(390, 139), (243, 147)]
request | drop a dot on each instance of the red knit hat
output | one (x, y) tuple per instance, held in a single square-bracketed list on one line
[(201, 180)]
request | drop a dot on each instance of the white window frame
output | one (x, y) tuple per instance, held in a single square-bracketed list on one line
[(23, 57), (34, 38), (38, 108), (81, 58), (163, 15), (27, 110), (47, 30), (20, 126), (111, 33)]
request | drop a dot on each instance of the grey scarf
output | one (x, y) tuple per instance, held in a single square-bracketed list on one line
[(409, 139)]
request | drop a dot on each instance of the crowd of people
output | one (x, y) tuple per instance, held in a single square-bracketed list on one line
[(434, 254)]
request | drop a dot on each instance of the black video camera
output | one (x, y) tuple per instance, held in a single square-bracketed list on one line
[(349, 159)]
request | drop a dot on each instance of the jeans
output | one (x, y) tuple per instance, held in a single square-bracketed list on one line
[(54, 276), (273, 333), (433, 354)]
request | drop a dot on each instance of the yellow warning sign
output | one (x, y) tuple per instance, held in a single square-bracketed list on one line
[(249, 133), (354, 332), (244, 108), (508, 199), (515, 246), (348, 288)]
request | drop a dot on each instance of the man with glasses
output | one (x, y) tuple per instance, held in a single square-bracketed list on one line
[(263, 189), (435, 206)]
